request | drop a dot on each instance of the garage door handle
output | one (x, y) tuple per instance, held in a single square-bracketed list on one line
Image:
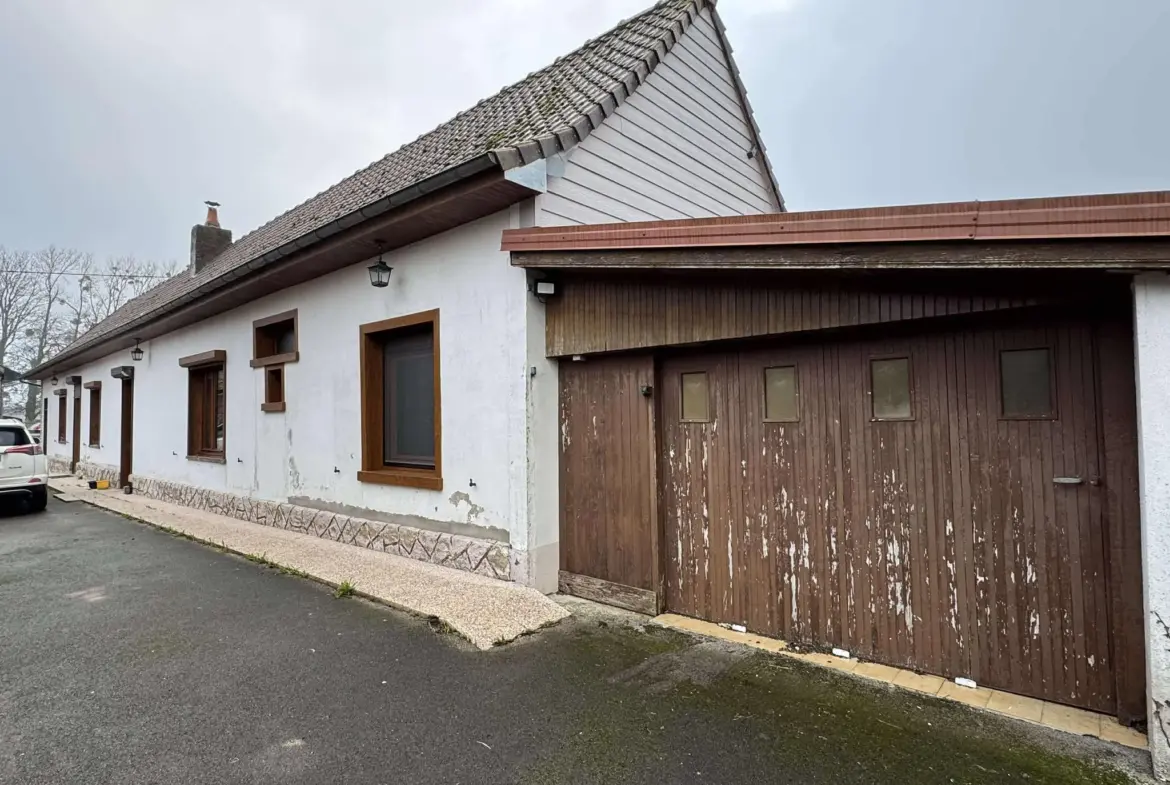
[(1068, 480)]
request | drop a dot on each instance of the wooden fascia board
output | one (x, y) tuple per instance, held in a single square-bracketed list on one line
[(1107, 255)]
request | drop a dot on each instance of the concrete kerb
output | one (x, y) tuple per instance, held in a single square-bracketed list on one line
[(471, 632)]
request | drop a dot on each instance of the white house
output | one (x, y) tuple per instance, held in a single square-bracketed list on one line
[(272, 381), (934, 435)]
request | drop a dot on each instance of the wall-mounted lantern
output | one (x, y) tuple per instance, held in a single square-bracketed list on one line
[(136, 352), (380, 271), (53, 381)]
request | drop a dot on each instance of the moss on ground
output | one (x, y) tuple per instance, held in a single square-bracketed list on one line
[(654, 704)]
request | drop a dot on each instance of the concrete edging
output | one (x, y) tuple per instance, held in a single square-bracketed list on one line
[(485, 611)]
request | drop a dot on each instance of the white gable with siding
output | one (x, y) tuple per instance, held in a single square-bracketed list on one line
[(682, 146)]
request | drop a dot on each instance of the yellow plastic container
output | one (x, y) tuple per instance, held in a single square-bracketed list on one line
[(103, 485)]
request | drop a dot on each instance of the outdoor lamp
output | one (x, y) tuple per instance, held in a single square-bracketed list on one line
[(380, 271), (53, 381), (136, 352)]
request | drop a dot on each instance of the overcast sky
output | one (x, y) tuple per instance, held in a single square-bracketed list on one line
[(119, 117)]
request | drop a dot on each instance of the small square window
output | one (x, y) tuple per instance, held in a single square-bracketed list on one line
[(890, 380), (274, 339), (695, 397), (781, 403), (1025, 377)]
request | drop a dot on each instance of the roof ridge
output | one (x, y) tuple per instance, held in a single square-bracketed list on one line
[(516, 85), (586, 122), (550, 110)]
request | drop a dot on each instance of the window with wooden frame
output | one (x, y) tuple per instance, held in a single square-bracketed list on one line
[(206, 405), (889, 389), (62, 413), (274, 343), (274, 340), (1027, 384), (273, 389), (95, 413), (401, 412)]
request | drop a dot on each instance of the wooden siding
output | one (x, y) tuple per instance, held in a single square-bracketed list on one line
[(614, 314), (677, 148), (940, 543), (1115, 372), (608, 473)]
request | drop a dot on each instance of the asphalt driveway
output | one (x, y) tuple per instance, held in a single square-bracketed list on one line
[(128, 655)]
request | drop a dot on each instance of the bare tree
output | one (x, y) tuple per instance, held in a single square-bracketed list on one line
[(109, 286), (53, 296), (53, 269), (18, 306)]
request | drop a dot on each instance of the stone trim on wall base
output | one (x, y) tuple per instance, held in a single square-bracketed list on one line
[(97, 471), (58, 465), (482, 557)]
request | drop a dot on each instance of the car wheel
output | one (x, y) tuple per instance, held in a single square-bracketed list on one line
[(39, 500)]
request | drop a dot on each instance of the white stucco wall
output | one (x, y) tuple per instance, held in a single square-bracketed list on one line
[(485, 358), (111, 415), (1152, 340)]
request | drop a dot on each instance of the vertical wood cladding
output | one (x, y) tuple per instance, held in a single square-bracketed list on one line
[(957, 541), (603, 314)]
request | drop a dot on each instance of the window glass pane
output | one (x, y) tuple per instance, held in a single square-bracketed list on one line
[(891, 388), (1026, 379), (219, 410), (12, 437), (409, 381), (695, 397), (287, 340), (780, 403)]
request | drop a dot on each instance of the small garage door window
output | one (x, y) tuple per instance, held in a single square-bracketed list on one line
[(1025, 377), (695, 397), (890, 380), (781, 403)]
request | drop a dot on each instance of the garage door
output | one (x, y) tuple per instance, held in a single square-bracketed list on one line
[(928, 501)]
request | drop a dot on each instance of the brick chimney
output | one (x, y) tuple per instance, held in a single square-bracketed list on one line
[(208, 240)]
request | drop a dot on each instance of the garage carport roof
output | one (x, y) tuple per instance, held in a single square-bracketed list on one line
[(1026, 232)]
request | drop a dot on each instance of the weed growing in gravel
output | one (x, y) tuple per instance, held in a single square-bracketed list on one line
[(344, 589)]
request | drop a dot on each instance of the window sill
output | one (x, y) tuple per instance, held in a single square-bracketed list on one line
[(417, 478), (93, 446), (275, 359), (272, 407), (207, 458)]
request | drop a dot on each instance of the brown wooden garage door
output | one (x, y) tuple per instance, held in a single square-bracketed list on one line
[(917, 500)]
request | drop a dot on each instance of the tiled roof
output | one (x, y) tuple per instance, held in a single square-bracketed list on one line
[(548, 111)]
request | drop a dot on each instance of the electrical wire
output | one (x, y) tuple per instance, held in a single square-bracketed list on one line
[(86, 275)]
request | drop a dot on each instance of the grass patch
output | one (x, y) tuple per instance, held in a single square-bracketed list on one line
[(344, 589), (439, 626)]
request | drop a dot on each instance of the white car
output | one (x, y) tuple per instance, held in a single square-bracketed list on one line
[(24, 469)]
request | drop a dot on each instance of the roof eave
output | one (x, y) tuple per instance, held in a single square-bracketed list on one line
[(446, 178)]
